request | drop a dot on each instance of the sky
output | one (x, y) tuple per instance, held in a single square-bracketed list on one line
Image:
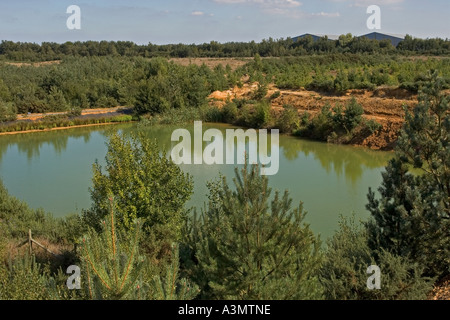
[(200, 21)]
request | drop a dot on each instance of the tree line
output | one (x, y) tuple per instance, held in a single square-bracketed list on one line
[(46, 51)]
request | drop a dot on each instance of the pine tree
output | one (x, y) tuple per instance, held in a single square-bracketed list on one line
[(170, 286), (249, 246), (111, 260), (412, 217)]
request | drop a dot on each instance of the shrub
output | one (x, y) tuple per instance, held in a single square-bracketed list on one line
[(348, 256), (25, 279), (275, 95), (288, 121), (230, 113), (352, 115), (372, 125), (261, 116)]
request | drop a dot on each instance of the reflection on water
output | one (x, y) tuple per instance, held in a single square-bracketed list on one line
[(53, 170)]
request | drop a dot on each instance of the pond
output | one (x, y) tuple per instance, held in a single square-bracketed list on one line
[(53, 170)]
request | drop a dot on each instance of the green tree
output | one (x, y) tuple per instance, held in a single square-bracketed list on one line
[(412, 217), (145, 184), (56, 100), (111, 261), (352, 115), (289, 121), (249, 246), (7, 111), (169, 286)]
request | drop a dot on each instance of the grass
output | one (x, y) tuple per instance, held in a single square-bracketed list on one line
[(52, 122)]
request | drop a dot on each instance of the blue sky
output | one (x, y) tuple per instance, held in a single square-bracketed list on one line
[(198, 21)]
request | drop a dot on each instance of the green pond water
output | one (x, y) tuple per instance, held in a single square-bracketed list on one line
[(53, 170)]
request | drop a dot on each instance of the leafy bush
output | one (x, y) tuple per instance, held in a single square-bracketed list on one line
[(372, 125), (288, 121), (230, 112), (352, 115), (348, 256), (25, 279)]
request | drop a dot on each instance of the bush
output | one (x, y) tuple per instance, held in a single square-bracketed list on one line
[(260, 92), (261, 116), (74, 112), (321, 126), (352, 115), (275, 95), (372, 125), (288, 121), (348, 256), (230, 113), (7, 112), (25, 279)]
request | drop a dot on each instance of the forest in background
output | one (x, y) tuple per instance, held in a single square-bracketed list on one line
[(47, 51)]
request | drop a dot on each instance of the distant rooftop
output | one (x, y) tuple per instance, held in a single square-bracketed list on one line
[(394, 38)]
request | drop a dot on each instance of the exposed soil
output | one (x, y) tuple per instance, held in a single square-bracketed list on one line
[(384, 105)]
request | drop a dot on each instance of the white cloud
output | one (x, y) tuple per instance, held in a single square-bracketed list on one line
[(197, 13), (326, 14), (265, 3), (366, 3)]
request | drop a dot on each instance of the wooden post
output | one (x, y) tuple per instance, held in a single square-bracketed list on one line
[(30, 241)]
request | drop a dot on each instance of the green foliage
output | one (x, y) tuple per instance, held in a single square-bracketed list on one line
[(246, 248), (261, 92), (352, 115), (321, 126), (146, 184), (288, 121), (17, 218), (348, 256), (56, 100), (411, 218), (275, 95), (333, 123), (7, 112), (111, 261), (25, 279), (170, 286), (230, 112), (372, 125), (261, 116)]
